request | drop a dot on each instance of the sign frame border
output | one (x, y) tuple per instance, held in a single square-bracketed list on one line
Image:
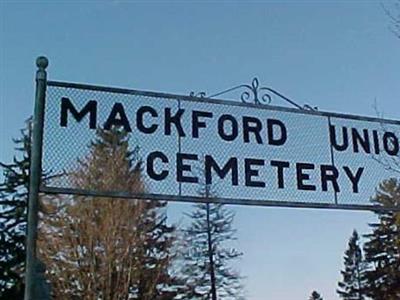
[(194, 199)]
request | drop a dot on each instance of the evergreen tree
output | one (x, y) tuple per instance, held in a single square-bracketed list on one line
[(352, 286), (382, 250), (108, 248), (207, 271), (315, 296), (13, 210)]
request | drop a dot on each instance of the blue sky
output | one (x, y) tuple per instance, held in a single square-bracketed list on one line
[(339, 56)]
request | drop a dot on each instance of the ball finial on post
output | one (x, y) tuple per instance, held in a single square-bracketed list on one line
[(42, 62)]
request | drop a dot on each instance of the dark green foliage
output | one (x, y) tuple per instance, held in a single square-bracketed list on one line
[(198, 264), (315, 296), (382, 251), (13, 211), (352, 286), (156, 258)]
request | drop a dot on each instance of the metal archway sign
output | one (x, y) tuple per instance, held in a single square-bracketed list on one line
[(254, 152)]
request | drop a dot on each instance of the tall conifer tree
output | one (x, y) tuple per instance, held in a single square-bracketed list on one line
[(207, 270), (13, 209), (352, 286), (382, 250)]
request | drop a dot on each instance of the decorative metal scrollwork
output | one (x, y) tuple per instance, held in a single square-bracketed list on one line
[(198, 95), (256, 94), (252, 94)]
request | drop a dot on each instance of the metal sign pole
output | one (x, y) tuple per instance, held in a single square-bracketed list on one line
[(35, 173)]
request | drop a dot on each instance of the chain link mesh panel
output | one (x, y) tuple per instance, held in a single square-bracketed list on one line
[(177, 145)]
